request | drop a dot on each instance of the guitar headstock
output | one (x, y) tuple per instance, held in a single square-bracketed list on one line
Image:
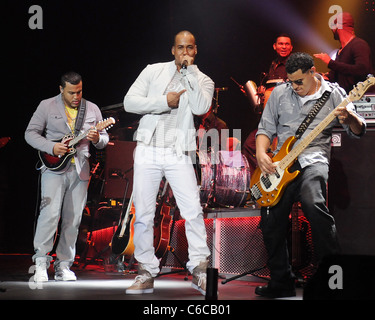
[(360, 88), (105, 124)]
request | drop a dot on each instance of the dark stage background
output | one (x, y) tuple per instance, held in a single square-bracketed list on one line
[(110, 42)]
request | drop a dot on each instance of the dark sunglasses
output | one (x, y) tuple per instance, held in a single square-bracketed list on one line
[(298, 82)]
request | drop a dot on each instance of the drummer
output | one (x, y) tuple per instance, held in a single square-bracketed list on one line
[(277, 74)]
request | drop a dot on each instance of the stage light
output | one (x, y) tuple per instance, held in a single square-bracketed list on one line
[(370, 6), (289, 20)]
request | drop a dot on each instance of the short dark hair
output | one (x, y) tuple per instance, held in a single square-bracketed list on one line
[(71, 77), (299, 60), (283, 35)]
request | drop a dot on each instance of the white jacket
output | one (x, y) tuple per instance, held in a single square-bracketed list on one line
[(146, 96)]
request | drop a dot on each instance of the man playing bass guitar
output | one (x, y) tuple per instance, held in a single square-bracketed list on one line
[(287, 107)]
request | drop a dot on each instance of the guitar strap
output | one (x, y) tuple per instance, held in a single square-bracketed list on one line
[(80, 117), (312, 114)]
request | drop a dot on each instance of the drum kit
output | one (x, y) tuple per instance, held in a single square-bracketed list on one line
[(223, 178)]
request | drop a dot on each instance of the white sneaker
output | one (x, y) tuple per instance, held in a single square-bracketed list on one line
[(65, 274), (41, 267), (144, 283), (199, 280)]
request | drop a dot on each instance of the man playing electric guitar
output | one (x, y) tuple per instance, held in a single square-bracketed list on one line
[(63, 192), (286, 109)]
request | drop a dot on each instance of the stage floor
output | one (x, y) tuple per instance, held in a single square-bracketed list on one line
[(95, 283)]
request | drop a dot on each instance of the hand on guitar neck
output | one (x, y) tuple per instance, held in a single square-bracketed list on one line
[(61, 148), (347, 117)]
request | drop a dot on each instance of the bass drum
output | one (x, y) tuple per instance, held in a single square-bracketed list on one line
[(224, 178)]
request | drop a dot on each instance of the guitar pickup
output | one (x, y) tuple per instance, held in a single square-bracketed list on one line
[(266, 181), (255, 192), (277, 174)]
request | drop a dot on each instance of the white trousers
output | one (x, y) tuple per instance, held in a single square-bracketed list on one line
[(150, 165), (62, 196)]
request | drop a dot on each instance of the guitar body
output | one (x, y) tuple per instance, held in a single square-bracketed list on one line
[(55, 163), (58, 163), (162, 229), (123, 245), (122, 241), (268, 191)]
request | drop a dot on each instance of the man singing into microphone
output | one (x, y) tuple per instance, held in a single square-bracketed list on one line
[(168, 95)]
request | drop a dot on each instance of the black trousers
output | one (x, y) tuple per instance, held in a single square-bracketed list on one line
[(310, 189)]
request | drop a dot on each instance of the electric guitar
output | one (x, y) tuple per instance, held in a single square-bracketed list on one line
[(267, 190), (122, 240), (56, 163)]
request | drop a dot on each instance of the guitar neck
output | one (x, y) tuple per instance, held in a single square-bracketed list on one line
[(104, 124), (78, 138), (126, 217), (297, 150)]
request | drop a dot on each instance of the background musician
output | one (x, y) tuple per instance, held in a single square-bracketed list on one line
[(63, 192), (276, 74), (286, 109), (353, 60)]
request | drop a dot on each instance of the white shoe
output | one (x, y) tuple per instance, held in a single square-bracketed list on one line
[(65, 274), (144, 283), (199, 280), (41, 267)]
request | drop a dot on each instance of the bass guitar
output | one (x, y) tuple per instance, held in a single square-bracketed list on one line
[(56, 163), (267, 190), (122, 240)]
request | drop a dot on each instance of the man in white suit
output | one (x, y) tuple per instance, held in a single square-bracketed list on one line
[(63, 192), (168, 95)]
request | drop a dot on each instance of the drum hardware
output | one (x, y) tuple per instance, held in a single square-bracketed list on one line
[(255, 98), (216, 98), (250, 90), (258, 96), (240, 86)]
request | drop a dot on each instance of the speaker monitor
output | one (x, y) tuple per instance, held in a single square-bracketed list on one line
[(119, 162), (236, 245), (351, 190)]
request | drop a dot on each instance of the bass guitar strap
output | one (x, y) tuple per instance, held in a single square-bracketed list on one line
[(312, 114)]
